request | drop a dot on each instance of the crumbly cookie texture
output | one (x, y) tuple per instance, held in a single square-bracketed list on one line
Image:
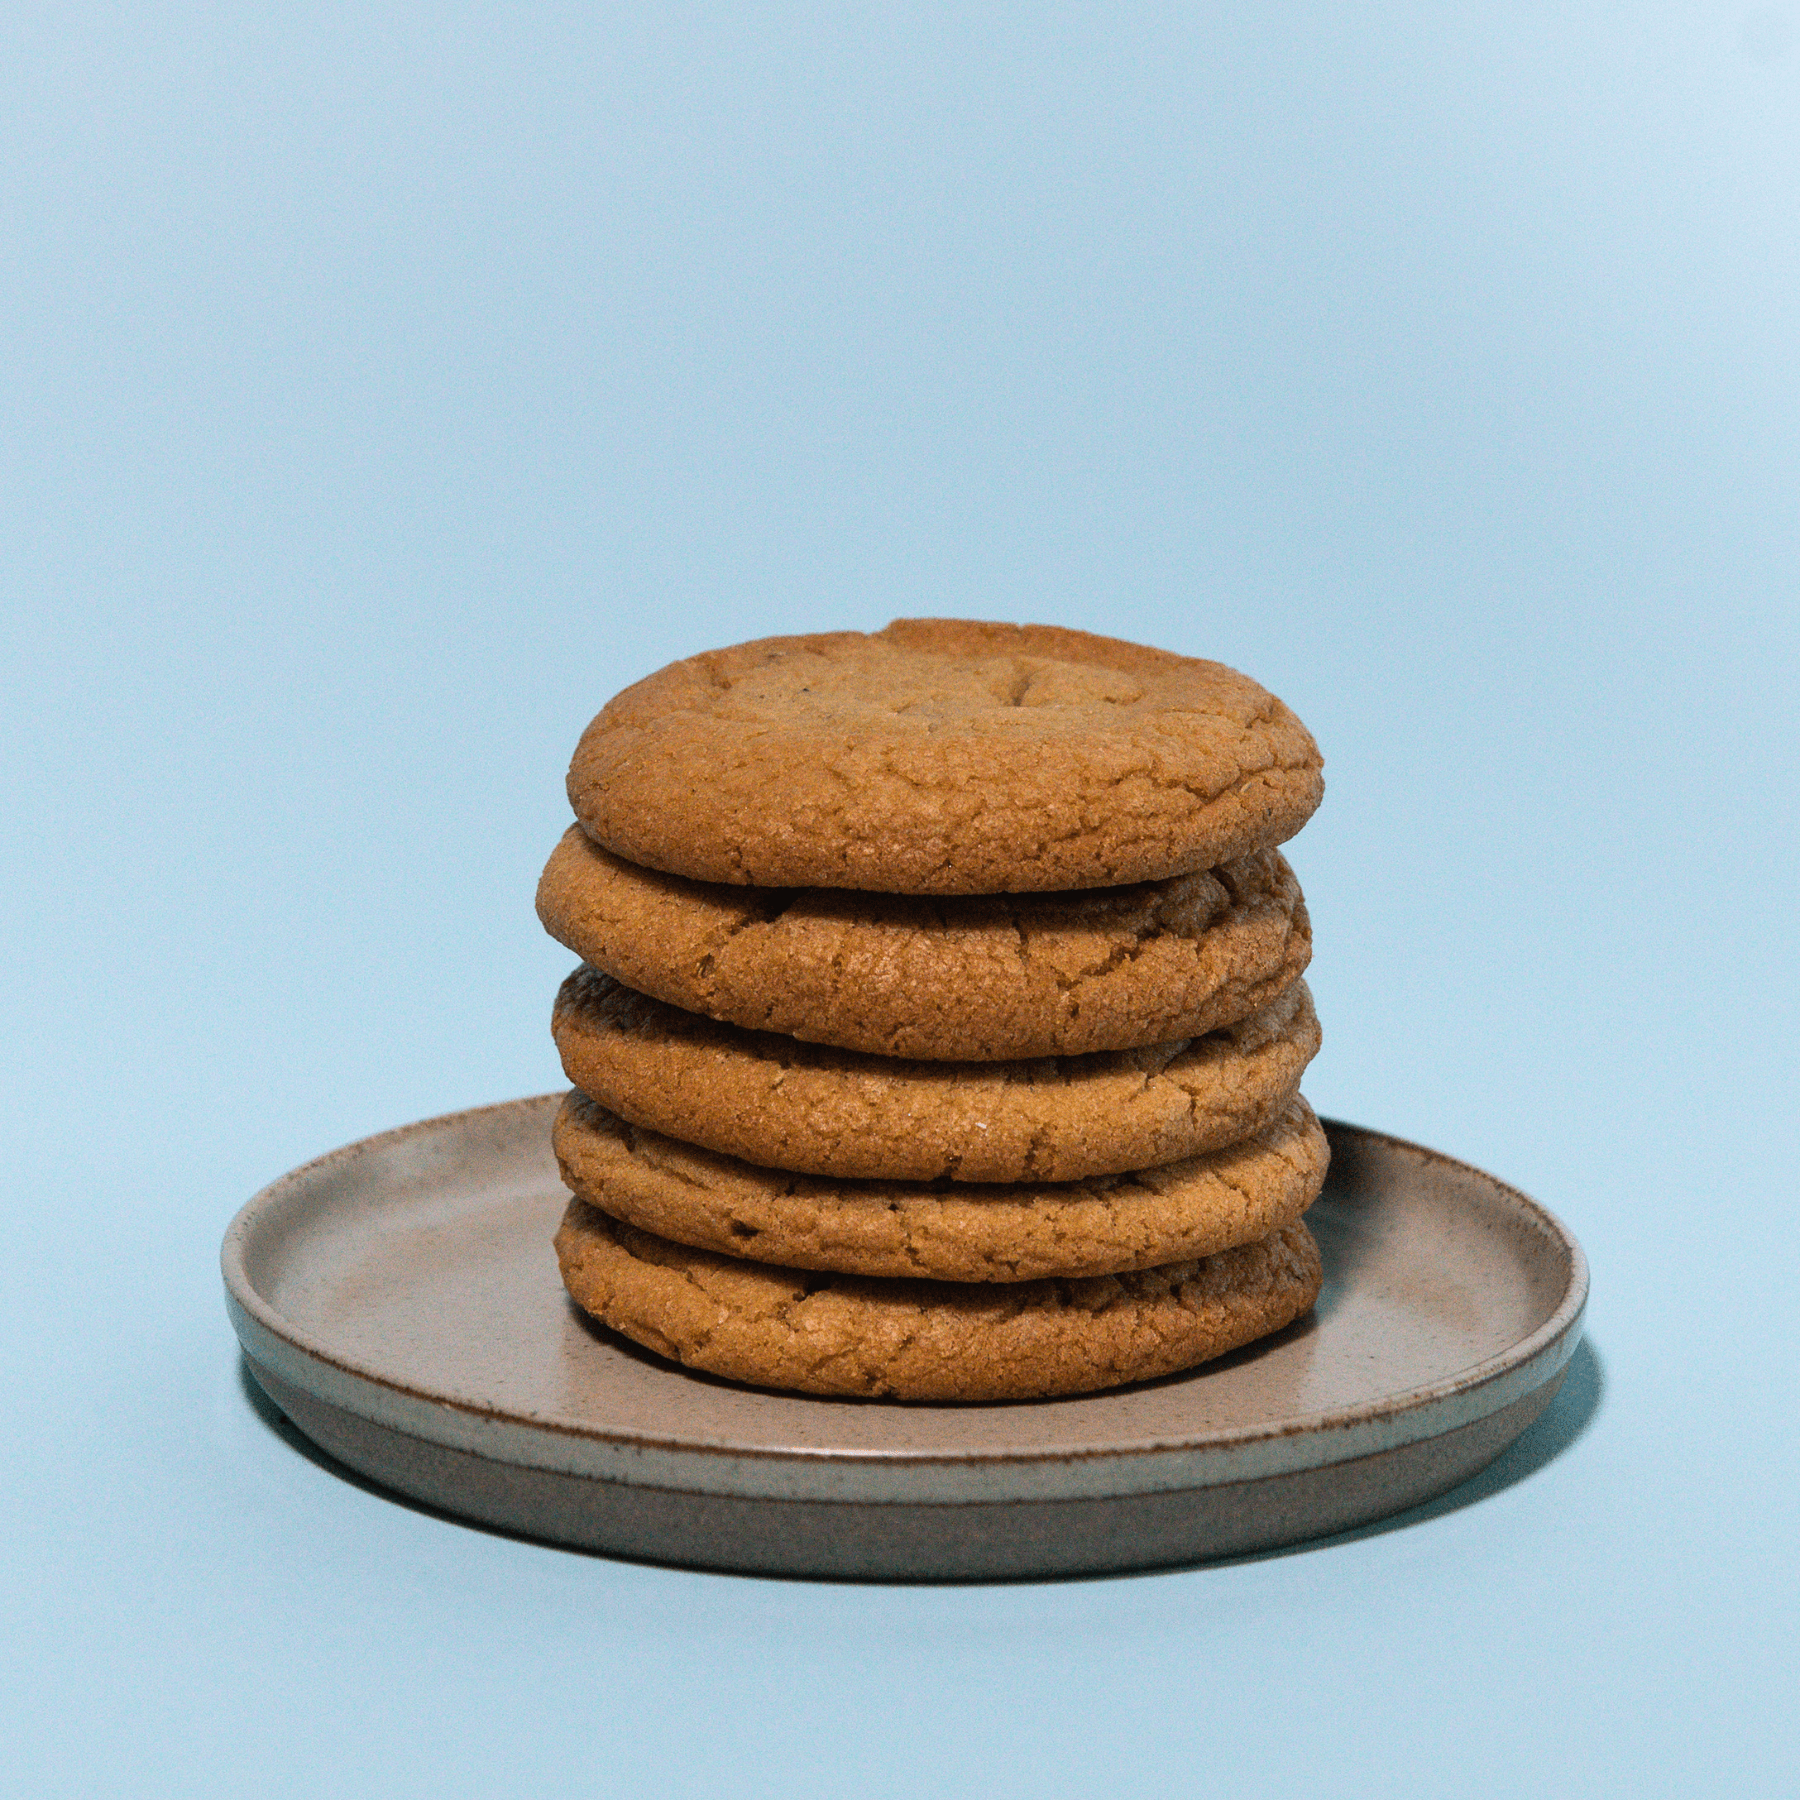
[(943, 756), (950, 1231), (978, 979), (923, 1340), (786, 1105)]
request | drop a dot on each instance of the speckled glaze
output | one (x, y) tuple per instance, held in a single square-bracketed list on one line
[(399, 1300)]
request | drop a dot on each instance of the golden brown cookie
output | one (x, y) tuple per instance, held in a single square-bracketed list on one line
[(787, 1105), (976, 979), (927, 1340), (946, 1231), (943, 756)]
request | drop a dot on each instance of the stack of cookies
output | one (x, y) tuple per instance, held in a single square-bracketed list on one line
[(940, 1023)]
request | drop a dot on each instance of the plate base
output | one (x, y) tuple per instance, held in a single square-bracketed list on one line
[(908, 1541)]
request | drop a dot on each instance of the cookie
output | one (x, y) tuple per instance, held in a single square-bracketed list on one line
[(772, 1100), (977, 978), (926, 1340), (943, 756), (947, 1231)]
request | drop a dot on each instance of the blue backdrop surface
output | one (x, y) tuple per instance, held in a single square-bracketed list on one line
[(389, 384)]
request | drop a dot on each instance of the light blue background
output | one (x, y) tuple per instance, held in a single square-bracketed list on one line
[(386, 385)]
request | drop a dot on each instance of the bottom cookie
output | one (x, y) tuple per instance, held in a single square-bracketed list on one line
[(929, 1340)]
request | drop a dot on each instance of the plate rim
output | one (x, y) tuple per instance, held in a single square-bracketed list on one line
[(1519, 1368)]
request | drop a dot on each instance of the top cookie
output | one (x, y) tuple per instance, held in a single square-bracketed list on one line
[(943, 756)]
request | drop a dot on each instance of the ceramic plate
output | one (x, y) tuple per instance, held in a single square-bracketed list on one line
[(399, 1301)]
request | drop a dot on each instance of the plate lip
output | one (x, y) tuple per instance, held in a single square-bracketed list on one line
[(1539, 1347)]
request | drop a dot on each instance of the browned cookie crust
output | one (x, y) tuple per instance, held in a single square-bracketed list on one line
[(787, 1105), (976, 979), (949, 1231), (925, 1340), (943, 756)]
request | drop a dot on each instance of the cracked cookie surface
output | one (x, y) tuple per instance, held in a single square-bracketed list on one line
[(967, 978), (925, 1340), (774, 1101), (943, 756), (955, 1232)]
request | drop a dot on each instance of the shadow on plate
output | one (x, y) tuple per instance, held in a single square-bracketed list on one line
[(1562, 1424)]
